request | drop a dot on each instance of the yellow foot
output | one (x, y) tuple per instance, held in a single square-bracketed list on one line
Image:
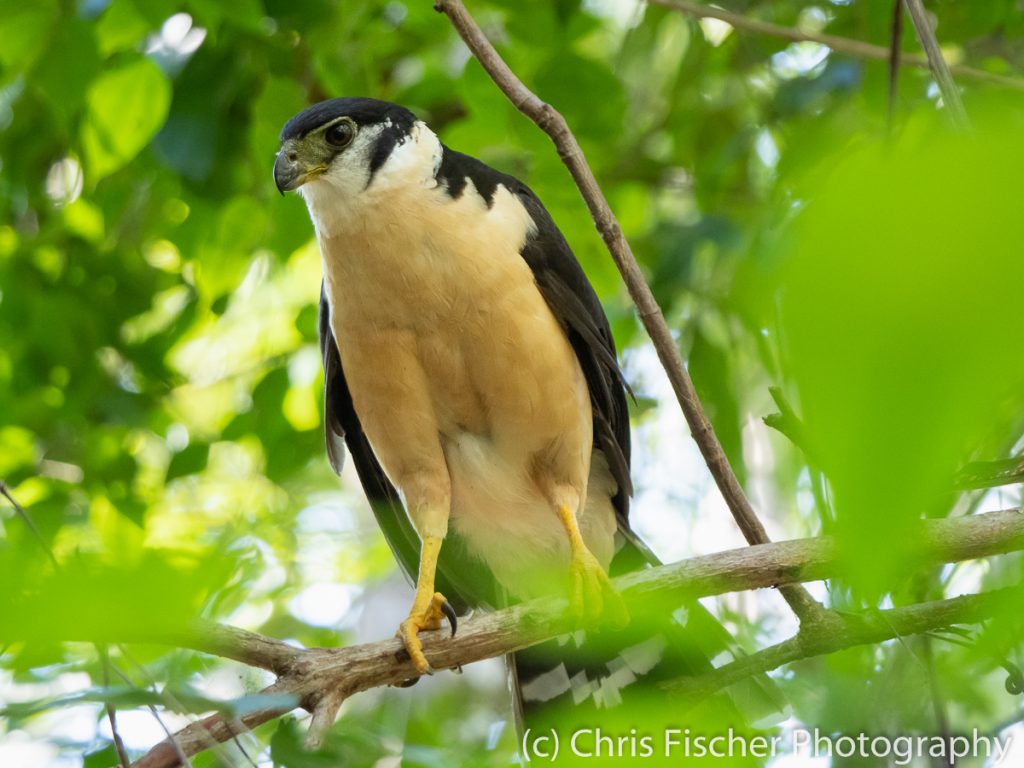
[(593, 597), (428, 618)]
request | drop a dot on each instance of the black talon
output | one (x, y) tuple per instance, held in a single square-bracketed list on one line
[(1015, 678), (449, 612)]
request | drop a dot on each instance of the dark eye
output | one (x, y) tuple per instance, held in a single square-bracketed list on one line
[(340, 134)]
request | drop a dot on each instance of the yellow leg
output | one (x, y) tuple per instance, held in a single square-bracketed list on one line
[(428, 606), (592, 595)]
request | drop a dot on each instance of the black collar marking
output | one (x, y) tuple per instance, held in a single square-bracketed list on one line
[(456, 168)]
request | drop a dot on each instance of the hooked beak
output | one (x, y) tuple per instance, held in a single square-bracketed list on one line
[(288, 172), (296, 163)]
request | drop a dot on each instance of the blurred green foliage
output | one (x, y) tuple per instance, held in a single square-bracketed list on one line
[(159, 375), (898, 306)]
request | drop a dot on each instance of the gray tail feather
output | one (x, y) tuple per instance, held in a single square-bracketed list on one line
[(617, 680)]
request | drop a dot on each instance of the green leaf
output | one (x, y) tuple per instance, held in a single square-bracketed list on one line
[(188, 461), (899, 305), (26, 29), (17, 449), (125, 109), (63, 85), (709, 365), (571, 83), (104, 758), (89, 599), (120, 27)]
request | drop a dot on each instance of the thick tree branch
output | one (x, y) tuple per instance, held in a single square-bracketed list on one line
[(233, 643), (319, 679), (554, 125), (842, 45)]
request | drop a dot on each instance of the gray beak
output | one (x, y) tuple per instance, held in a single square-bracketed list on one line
[(287, 173)]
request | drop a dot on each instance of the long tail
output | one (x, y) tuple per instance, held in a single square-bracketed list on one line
[(615, 684)]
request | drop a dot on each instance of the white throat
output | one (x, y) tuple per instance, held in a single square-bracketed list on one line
[(346, 193)]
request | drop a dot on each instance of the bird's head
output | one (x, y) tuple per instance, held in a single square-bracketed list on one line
[(338, 146)]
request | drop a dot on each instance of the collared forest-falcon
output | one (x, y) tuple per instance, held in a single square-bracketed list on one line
[(470, 371)]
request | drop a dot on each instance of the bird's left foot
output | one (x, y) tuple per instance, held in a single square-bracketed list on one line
[(428, 617), (592, 596)]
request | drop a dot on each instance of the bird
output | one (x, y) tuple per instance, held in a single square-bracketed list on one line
[(471, 373)]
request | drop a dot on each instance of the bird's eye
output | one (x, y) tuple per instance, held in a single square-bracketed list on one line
[(340, 134)]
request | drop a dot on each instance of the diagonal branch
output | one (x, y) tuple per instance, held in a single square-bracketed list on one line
[(319, 679), (937, 64), (838, 44), (195, 737), (554, 125), (26, 518), (115, 734)]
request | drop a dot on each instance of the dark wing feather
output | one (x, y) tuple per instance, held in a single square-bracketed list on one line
[(571, 298)]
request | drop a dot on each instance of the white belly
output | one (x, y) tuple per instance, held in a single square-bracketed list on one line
[(509, 526)]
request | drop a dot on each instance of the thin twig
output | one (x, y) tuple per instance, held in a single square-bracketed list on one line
[(838, 44), (192, 738), (865, 629), (937, 64), (179, 751), (991, 474), (100, 649), (553, 124), (236, 739), (938, 701), (170, 700), (122, 755), (29, 522)]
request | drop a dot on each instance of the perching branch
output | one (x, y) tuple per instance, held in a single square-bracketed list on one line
[(320, 679), (554, 125), (838, 44)]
